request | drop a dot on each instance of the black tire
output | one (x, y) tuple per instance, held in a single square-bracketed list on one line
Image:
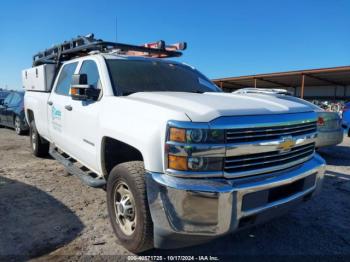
[(18, 126), (40, 147), (131, 175)]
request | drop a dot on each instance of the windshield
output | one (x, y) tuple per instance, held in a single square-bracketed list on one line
[(132, 76)]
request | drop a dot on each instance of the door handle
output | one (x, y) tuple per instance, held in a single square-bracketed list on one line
[(68, 107), (50, 103)]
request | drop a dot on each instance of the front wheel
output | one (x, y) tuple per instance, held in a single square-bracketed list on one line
[(18, 126), (128, 206), (40, 147)]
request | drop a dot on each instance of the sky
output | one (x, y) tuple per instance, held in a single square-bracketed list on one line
[(225, 38)]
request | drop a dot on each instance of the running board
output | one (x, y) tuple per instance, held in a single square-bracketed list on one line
[(83, 173)]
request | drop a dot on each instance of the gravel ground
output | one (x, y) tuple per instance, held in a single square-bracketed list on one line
[(46, 214)]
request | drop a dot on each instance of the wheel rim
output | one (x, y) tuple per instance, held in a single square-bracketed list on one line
[(33, 137), (124, 208), (17, 125)]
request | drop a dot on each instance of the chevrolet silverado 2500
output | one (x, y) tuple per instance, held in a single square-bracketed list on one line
[(181, 161)]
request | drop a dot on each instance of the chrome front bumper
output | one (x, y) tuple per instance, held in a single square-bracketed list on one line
[(187, 211)]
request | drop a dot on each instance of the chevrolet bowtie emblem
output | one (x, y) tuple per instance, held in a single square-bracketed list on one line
[(286, 144)]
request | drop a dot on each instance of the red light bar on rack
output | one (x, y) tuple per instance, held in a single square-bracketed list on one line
[(156, 45), (161, 45), (176, 46)]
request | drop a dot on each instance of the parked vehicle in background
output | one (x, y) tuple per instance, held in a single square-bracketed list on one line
[(329, 127), (346, 119), (12, 112), (271, 91), (330, 105), (3, 95), (182, 162)]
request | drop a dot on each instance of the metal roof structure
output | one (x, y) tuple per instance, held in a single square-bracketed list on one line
[(335, 76)]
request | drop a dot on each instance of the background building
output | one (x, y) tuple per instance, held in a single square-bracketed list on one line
[(322, 84)]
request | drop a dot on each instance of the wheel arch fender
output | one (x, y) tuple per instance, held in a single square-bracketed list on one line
[(115, 151)]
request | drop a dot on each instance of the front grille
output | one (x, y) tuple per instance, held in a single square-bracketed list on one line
[(254, 134), (245, 163)]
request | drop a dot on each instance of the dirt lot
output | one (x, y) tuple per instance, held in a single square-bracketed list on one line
[(45, 213)]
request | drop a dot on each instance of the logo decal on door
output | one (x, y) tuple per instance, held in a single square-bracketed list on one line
[(56, 119), (55, 113)]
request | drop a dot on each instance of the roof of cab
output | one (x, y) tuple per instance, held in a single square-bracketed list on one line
[(128, 57)]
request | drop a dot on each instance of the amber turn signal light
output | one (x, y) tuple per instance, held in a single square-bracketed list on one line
[(177, 134), (74, 91), (177, 162)]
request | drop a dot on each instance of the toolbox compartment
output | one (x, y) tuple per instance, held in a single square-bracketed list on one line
[(38, 78)]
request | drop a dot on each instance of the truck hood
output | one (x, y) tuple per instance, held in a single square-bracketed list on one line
[(208, 106)]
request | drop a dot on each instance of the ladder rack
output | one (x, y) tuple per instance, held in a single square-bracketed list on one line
[(83, 45)]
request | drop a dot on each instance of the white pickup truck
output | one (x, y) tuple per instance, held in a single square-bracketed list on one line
[(181, 161)]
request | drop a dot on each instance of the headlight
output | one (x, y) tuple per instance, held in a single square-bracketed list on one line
[(194, 150), (205, 163), (197, 136), (196, 164)]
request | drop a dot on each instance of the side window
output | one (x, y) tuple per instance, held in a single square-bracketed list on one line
[(16, 98), (65, 79), (8, 99), (89, 68)]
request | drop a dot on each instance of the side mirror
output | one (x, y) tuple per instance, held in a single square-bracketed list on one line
[(80, 90), (1, 102), (79, 79)]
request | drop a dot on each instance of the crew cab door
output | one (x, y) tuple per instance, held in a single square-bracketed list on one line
[(4, 110), (81, 122), (57, 107), (11, 109)]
